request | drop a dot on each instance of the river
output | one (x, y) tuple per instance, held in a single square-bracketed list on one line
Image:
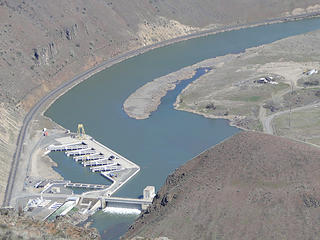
[(168, 138)]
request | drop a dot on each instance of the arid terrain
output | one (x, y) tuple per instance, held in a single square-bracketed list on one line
[(46, 43), (251, 186), (231, 89), (16, 226)]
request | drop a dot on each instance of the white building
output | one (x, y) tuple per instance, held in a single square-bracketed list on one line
[(149, 192)]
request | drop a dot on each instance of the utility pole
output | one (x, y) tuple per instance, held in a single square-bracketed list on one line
[(81, 133), (290, 105)]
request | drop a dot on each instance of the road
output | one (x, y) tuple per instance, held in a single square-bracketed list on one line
[(62, 88), (267, 122)]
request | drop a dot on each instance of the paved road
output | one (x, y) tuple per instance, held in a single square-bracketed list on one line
[(28, 118), (267, 122)]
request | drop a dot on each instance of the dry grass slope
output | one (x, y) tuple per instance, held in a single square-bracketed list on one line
[(252, 186), (45, 43), (16, 226)]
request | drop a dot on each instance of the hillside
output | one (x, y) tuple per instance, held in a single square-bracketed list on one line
[(46, 43), (251, 186), (16, 226)]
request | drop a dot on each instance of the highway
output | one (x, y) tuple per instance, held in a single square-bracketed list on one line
[(65, 86)]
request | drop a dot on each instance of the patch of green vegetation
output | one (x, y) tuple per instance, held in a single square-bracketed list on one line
[(259, 127), (75, 209), (281, 86), (271, 184), (304, 125), (254, 99), (246, 98)]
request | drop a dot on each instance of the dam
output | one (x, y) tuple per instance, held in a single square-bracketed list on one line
[(168, 138), (57, 197)]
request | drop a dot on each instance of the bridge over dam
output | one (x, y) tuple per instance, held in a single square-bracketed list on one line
[(141, 204), (102, 202), (100, 160), (88, 203), (49, 205)]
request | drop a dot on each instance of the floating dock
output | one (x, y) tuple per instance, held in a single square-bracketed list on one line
[(100, 159), (99, 162), (89, 157), (84, 151), (67, 147), (86, 185), (108, 168)]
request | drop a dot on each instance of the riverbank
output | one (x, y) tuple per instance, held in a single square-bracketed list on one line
[(239, 95), (233, 89), (146, 99), (82, 99), (250, 186), (33, 122), (50, 98)]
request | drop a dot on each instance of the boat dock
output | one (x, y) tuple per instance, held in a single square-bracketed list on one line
[(66, 147), (89, 157), (84, 151), (99, 162), (100, 159), (106, 168), (85, 185)]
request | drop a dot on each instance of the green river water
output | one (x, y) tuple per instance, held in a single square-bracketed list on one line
[(168, 138)]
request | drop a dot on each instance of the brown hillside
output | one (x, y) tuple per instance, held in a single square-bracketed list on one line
[(251, 186), (16, 226), (46, 43)]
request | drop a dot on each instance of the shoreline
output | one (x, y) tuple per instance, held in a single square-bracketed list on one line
[(146, 99), (133, 53), (45, 102)]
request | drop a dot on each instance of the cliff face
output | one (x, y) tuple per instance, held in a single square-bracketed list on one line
[(45, 43), (252, 186)]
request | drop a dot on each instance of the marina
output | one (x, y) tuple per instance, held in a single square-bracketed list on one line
[(95, 156), (99, 158), (55, 198), (98, 162)]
